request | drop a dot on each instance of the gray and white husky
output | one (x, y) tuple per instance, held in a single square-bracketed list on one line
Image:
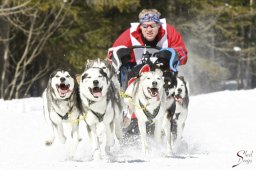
[(98, 104), (60, 101), (114, 92)]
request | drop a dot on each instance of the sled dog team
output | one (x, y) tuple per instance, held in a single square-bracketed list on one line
[(155, 97)]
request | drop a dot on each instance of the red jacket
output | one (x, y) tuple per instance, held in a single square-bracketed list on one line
[(174, 41)]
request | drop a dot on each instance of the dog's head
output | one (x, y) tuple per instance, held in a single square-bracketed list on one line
[(94, 83), (63, 83), (152, 84), (99, 63), (170, 83), (181, 90)]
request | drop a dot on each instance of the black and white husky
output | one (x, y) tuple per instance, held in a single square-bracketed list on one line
[(97, 104), (60, 101), (148, 102), (177, 114)]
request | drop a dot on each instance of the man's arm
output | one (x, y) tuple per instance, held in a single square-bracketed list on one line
[(123, 39), (176, 42)]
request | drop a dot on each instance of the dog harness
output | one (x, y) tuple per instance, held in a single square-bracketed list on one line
[(65, 117), (98, 115), (150, 116)]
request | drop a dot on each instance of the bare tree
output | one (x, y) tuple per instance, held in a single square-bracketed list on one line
[(35, 27), (5, 10)]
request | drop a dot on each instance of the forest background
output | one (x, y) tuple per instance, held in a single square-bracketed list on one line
[(38, 36)]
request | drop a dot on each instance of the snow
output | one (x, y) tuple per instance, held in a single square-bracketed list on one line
[(219, 125)]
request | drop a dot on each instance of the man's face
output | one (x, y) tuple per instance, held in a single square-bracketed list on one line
[(149, 30)]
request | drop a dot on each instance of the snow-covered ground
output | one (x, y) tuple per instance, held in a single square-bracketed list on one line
[(220, 132)]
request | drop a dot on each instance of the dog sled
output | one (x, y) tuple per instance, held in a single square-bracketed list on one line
[(129, 73)]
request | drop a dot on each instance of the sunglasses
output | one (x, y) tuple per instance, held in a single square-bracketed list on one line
[(154, 25)]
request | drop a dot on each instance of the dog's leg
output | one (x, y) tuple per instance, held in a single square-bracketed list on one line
[(157, 132), (75, 139), (143, 135), (95, 142), (127, 116), (49, 123), (50, 126), (180, 126), (60, 132), (117, 124), (109, 136), (51, 137), (167, 131)]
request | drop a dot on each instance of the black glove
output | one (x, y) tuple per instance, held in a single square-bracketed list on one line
[(164, 59), (124, 54)]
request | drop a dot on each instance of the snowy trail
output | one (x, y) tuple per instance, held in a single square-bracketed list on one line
[(219, 125)]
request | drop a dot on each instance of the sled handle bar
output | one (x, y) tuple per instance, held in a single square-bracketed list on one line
[(142, 46)]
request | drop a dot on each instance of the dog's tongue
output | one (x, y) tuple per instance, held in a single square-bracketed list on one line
[(158, 97), (179, 99), (63, 91), (97, 94)]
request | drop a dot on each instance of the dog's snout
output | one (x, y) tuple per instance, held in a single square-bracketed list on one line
[(62, 79), (154, 83), (95, 82), (179, 90)]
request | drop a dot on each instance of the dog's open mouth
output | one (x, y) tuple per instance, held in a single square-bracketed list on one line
[(178, 98), (63, 89), (96, 91), (153, 91)]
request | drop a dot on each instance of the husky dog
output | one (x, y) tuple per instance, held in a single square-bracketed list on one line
[(114, 90), (97, 105), (60, 100), (148, 97), (177, 114), (181, 96)]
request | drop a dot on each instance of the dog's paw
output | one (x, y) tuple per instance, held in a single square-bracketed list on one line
[(107, 150), (97, 155), (48, 142)]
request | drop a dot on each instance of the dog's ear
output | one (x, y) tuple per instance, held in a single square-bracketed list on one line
[(182, 78), (159, 72), (53, 74), (142, 75), (88, 64), (104, 74)]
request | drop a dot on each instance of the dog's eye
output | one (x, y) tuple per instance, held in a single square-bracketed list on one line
[(100, 76), (158, 78), (103, 67), (57, 76), (148, 78), (67, 76), (89, 77)]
